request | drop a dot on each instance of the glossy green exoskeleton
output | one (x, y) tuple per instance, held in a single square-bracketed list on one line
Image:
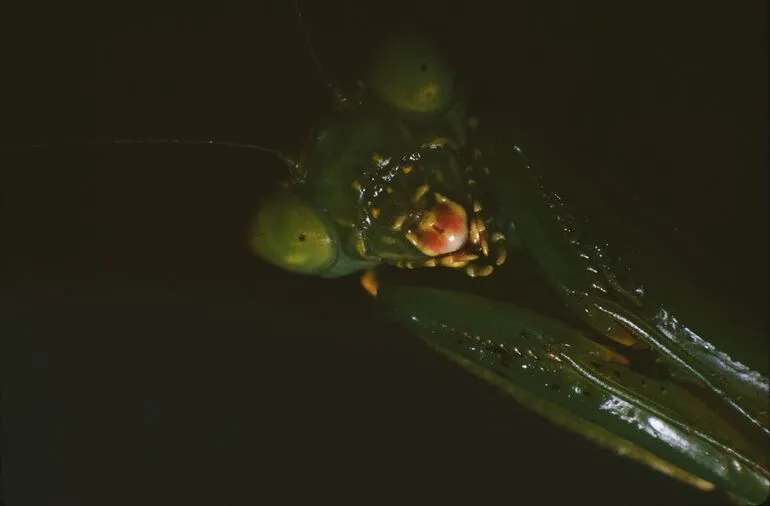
[(400, 175)]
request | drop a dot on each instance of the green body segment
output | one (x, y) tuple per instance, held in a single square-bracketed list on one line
[(566, 377)]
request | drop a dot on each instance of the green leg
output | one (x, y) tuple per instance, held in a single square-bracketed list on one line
[(585, 278)]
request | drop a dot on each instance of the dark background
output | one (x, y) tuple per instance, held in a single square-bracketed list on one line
[(148, 358)]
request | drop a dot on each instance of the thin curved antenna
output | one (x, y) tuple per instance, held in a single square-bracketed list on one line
[(292, 164), (334, 90)]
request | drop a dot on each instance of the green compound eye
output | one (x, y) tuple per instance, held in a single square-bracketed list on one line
[(410, 74), (291, 234)]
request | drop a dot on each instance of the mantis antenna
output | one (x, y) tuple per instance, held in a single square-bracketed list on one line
[(334, 90), (291, 163), (287, 160)]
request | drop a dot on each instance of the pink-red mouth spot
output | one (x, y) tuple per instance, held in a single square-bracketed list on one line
[(442, 230)]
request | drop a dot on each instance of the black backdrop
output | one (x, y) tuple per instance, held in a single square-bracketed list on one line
[(150, 359)]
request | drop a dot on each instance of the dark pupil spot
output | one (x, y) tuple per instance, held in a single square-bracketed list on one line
[(423, 67), (302, 237)]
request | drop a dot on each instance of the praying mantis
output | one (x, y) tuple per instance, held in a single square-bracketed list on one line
[(401, 175), (392, 294)]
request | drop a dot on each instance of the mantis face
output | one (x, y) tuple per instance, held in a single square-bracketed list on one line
[(388, 178)]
